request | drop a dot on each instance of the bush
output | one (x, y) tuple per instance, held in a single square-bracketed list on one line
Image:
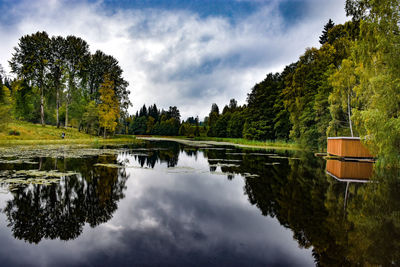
[(14, 132)]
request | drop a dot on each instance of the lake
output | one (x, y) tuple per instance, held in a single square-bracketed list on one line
[(172, 204)]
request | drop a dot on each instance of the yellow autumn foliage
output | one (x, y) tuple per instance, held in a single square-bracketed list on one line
[(109, 105)]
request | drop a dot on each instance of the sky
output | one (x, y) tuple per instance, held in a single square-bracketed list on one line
[(184, 53)]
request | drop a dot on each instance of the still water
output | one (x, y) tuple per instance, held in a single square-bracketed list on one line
[(170, 204)]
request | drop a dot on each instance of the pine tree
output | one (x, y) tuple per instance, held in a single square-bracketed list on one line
[(324, 37)]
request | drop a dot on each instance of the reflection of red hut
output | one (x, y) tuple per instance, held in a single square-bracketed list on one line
[(349, 170), (347, 147)]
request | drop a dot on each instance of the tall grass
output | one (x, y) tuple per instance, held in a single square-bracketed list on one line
[(242, 141)]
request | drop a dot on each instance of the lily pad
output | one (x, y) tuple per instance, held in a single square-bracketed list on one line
[(249, 175), (109, 165), (18, 161), (224, 165), (226, 160)]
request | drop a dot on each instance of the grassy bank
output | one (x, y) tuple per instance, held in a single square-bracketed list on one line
[(242, 141), (25, 133), (227, 141)]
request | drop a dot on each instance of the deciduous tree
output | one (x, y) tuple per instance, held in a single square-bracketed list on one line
[(109, 106), (30, 61)]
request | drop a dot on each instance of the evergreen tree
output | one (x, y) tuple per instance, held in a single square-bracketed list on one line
[(212, 120), (143, 112), (324, 37), (197, 129), (260, 112)]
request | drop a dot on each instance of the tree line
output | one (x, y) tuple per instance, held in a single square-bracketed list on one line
[(153, 121), (349, 86), (59, 82), (293, 104)]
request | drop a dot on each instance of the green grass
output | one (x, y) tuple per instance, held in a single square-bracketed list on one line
[(36, 134), (242, 141), (278, 144)]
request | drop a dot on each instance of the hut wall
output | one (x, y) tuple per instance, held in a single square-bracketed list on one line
[(347, 147)]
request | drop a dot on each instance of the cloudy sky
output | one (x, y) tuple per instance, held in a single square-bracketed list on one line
[(187, 53)]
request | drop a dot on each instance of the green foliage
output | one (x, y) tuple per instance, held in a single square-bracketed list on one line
[(30, 62), (153, 121), (182, 130), (376, 63), (138, 125), (90, 118), (256, 130), (344, 80), (235, 125), (25, 102), (264, 105), (150, 125), (57, 77), (221, 125), (306, 95), (5, 106)]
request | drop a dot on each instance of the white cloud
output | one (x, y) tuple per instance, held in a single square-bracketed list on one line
[(176, 57)]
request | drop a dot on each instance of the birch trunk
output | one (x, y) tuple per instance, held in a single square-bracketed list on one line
[(66, 114), (42, 107), (58, 107), (349, 114)]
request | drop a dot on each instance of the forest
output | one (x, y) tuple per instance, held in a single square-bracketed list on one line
[(59, 82), (349, 86)]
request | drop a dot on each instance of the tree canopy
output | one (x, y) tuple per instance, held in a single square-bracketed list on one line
[(59, 79)]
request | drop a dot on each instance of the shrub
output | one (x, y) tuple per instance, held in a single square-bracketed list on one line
[(14, 132)]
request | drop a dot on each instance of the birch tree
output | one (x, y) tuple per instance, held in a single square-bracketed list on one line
[(344, 80)]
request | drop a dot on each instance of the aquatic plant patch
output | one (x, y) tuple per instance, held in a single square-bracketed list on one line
[(56, 151)]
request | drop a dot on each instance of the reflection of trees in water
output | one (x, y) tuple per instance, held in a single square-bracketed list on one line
[(300, 195), (294, 193), (167, 152), (60, 211), (303, 198), (375, 215)]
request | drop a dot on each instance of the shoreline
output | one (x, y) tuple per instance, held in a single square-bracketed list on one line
[(210, 143), (88, 141)]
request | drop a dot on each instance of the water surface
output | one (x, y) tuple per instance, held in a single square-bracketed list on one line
[(172, 204)]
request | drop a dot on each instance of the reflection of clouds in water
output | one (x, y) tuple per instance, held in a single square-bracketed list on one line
[(188, 219), (223, 222)]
